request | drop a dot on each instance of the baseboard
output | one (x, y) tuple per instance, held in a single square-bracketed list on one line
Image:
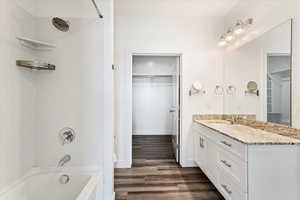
[(123, 164), (154, 133), (188, 163)]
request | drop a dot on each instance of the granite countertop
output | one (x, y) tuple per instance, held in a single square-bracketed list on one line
[(247, 134)]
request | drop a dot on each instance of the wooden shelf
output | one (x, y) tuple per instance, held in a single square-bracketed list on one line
[(35, 44)]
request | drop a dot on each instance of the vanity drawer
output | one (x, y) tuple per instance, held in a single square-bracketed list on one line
[(235, 167), (229, 187), (233, 146)]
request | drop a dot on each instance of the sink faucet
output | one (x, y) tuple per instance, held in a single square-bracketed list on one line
[(64, 160), (232, 120)]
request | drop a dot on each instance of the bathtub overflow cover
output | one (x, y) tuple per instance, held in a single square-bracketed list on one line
[(64, 179)]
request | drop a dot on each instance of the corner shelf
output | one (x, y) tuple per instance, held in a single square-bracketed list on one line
[(35, 44)]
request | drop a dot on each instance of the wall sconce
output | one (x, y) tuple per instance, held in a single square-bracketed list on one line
[(197, 88), (233, 33)]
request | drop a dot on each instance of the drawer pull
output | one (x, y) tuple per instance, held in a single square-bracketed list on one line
[(226, 163), (226, 143), (226, 189), (201, 142)]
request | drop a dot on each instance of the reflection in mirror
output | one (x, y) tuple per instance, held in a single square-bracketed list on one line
[(265, 61), (278, 89)]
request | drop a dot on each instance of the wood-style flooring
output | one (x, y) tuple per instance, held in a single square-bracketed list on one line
[(152, 147), (155, 176)]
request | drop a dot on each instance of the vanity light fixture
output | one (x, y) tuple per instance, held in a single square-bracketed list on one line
[(233, 33)]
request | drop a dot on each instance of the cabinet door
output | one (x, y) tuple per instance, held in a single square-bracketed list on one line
[(200, 150), (212, 160)]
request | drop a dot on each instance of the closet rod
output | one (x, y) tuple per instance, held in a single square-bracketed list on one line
[(97, 9), (146, 75)]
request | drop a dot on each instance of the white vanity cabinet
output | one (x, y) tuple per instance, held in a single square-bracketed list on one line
[(200, 150), (243, 171)]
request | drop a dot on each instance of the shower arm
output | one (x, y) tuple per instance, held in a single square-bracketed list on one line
[(97, 9)]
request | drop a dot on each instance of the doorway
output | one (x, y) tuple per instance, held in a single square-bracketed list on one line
[(279, 89), (156, 107)]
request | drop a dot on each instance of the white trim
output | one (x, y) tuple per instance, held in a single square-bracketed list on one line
[(166, 132), (108, 103), (263, 90), (188, 163), (123, 164), (129, 61)]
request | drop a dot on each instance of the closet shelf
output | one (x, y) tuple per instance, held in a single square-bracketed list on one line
[(35, 65), (35, 44), (152, 75), (282, 73)]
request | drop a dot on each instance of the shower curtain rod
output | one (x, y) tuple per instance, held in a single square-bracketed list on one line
[(97, 9)]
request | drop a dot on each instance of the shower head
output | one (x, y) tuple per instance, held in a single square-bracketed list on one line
[(60, 24)]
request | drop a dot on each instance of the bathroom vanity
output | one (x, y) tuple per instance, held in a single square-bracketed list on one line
[(246, 163)]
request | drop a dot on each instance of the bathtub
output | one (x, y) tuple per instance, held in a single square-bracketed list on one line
[(46, 185)]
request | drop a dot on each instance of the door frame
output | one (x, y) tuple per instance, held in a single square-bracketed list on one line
[(264, 79), (130, 115)]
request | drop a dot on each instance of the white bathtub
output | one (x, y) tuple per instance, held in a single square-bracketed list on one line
[(45, 185)]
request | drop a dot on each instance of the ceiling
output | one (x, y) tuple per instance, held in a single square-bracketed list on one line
[(173, 7)]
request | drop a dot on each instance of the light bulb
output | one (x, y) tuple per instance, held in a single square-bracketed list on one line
[(239, 28), (229, 35), (222, 41)]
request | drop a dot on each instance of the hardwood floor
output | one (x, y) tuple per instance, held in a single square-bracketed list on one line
[(158, 176), (152, 147)]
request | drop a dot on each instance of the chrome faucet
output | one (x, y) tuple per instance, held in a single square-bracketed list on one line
[(64, 160), (233, 120)]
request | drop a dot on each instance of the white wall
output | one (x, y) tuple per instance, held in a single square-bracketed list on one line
[(17, 95), (156, 65), (72, 95), (152, 100), (193, 37), (267, 14)]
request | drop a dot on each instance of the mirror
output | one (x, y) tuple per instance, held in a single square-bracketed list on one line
[(260, 71), (197, 86), (252, 86)]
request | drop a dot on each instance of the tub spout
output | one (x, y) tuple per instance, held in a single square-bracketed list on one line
[(64, 160)]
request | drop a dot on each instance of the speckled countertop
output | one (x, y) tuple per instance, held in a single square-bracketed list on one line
[(247, 134)]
